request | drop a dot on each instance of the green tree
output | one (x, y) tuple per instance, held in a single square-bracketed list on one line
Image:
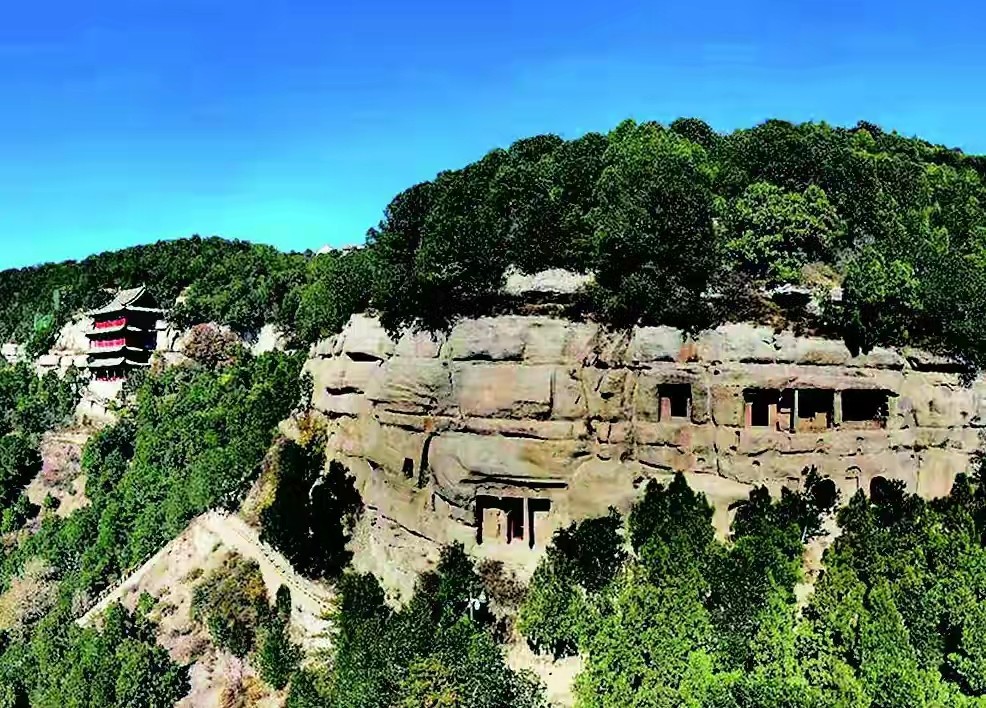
[(312, 515), (882, 301), (670, 528), (582, 560), (656, 246), (433, 651), (888, 664), (553, 610), (232, 602), (304, 692), (395, 243), (772, 234), (543, 194), (336, 285), (19, 462), (277, 656), (120, 666), (147, 676), (639, 647), (463, 254), (698, 131)]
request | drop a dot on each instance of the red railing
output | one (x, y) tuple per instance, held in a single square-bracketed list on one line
[(102, 376), (108, 343), (110, 324)]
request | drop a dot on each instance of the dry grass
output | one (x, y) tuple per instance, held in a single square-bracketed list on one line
[(30, 596)]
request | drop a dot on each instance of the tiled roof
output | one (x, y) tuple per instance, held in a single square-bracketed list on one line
[(122, 300), (117, 361), (105, 363)]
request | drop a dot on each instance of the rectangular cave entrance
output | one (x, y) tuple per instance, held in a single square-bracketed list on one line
[(761, 405), (511, 519), (865, 407), (814, 409), (675, 401)]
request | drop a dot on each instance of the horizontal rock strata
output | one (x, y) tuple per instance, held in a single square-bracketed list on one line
[(512, 426)]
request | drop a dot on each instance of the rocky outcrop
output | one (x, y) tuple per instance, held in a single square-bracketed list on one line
[(270, 338), (69, 350), (509, 427), (12, 353), (556, 281)]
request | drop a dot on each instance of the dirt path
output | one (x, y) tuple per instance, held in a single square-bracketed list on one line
[(235, 533), (309, 598)]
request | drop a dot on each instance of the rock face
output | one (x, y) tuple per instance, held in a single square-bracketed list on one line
[(512, 426), (70, 349), (555, 281), (270, 338), (12, 353)]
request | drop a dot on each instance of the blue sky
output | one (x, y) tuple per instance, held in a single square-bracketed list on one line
[(293, 122)]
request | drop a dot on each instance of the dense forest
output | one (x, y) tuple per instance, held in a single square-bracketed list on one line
[(679, 224), (194, 440), (680, 619), (234, 283)]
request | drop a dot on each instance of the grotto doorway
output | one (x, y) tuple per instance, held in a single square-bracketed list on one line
[(507, 519)]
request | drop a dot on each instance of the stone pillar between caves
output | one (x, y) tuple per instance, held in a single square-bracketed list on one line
[(794, 412)]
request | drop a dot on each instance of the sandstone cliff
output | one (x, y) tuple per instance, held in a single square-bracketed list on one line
[(508, 427)]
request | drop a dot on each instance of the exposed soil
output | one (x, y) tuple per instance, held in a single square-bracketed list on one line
[(170, 577)]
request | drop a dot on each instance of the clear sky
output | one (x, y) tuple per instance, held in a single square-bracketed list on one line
[(294, 122)]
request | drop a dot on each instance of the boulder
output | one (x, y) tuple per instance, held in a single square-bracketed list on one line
[(48, 361), (270, 339), (168, 339), (393, 448), (741, 343), (72, 336), (419, 344), (650, 344), (343, 375), (324, 348), (599, 484), (608, 392), (538, 429), (547, 341), (337, 404), (365, 338), (12, 352), (811, 351), (460, 461), (568, 400), (553, 281)]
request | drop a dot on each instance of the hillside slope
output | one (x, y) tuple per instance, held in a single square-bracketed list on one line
[(766, 344), (169, 578)]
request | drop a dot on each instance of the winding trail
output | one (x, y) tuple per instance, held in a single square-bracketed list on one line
[(232, 532)]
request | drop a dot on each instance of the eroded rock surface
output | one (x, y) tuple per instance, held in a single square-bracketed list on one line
[(509, 427)]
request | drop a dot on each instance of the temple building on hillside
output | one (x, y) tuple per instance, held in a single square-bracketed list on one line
[(123, 334)]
